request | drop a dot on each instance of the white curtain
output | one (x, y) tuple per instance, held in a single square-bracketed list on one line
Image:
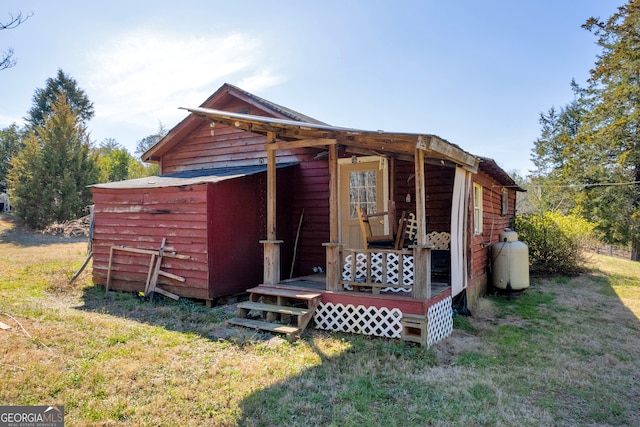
[(459, 208)]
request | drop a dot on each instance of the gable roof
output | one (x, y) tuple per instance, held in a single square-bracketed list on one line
[(219, 98)]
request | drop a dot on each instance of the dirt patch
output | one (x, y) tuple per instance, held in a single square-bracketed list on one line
[(457, 343)]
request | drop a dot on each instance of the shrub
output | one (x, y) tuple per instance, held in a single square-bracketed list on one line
[(555, 241)]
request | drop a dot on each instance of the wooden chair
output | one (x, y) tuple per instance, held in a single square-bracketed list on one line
[(393, 240), (368, 239)]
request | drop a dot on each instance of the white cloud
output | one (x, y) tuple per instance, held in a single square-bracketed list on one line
[(143, 76)]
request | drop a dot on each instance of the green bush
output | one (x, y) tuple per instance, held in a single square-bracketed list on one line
[(555, 241)]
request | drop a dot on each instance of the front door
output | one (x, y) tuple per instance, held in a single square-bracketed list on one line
[(363, 182)]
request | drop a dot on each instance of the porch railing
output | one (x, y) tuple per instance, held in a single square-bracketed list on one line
[(381, 270)]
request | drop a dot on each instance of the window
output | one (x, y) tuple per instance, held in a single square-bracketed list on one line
[(477, 208), (505, 202), (362, 191)]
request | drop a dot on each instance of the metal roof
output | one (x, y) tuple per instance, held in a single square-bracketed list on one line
[(180, 179)]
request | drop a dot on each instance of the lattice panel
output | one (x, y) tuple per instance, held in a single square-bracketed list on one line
[(380, 322), (440, 321), (377, 276), (439, 240)]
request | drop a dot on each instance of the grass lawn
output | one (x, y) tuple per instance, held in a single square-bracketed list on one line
[(566, 352)]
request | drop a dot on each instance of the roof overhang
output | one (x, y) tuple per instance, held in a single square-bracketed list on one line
[(294, 134), (196, 177)]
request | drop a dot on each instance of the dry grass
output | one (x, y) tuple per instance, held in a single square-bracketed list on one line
[(567, 352)]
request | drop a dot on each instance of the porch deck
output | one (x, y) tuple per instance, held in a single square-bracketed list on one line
[(385, 314)]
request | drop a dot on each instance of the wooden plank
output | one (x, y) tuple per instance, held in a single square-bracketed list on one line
[(149, 274), (301, 143), (256, 324), (289, 293), (106, 286), (149, 252), (172, 276), (293, 311), (156, 271), (166, 293)]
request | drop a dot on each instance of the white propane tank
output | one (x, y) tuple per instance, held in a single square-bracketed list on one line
[(510, 260)]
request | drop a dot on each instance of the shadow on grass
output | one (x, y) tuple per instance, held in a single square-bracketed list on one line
[(14, 231), (572, 348), (184, 315)]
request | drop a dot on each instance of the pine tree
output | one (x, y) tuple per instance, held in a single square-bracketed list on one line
[(611, 129), (49, 176), (43, 100)]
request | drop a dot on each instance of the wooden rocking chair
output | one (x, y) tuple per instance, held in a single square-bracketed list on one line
[(393, 240)]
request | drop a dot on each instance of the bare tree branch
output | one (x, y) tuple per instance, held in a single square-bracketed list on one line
[(6, 59)]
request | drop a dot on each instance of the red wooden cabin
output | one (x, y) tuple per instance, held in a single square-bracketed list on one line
[(254, 193)]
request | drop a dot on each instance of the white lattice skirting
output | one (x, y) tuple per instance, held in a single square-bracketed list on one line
[(440, 321), (380, 322)]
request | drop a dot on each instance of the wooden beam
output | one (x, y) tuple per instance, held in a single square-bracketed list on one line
[(271, 188), (333, 247), (271, 271), (301, 143), (450, 151), (421, 252)]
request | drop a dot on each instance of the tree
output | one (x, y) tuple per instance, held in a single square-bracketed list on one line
[(49, 176), (10, 144), (6, 59), (554, 154), (43, 100), (589, 151), (113, 161), (146, 143), (611, 129)]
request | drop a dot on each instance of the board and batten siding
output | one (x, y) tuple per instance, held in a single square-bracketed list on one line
[(141, 218), (310, 189)]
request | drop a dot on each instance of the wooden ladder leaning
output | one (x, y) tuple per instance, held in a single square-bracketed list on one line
[(284, 311)]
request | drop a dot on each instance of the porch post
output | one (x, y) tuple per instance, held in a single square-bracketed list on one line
[(333, 247), (271, 245), (421, 252)]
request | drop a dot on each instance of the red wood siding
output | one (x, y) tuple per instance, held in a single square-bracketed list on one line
[(310, 187), (439, 189), (235, 227), (216, 146), (140, 218), (493, 223)]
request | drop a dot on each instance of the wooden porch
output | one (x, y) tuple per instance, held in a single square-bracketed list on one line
[(367, 291), (375, 299)]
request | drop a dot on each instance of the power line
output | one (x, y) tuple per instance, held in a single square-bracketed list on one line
[(582, 185)]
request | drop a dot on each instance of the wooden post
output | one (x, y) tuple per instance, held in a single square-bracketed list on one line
[(421, 252), (333, 247), (271, 245)]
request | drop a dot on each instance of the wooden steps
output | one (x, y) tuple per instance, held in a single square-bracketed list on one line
[(278, 310)]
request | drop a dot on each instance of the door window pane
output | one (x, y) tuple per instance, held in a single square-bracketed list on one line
[(362, 191)]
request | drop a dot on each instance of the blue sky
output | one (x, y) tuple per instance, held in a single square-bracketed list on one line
[(477, 73)]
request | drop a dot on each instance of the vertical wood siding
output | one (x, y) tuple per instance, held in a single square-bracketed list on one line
[(439, 188)]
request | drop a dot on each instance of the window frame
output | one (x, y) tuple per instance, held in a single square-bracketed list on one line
[(477, 209)]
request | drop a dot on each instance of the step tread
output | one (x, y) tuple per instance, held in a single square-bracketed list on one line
[(289, 293), (257, 324), (250, 305)]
